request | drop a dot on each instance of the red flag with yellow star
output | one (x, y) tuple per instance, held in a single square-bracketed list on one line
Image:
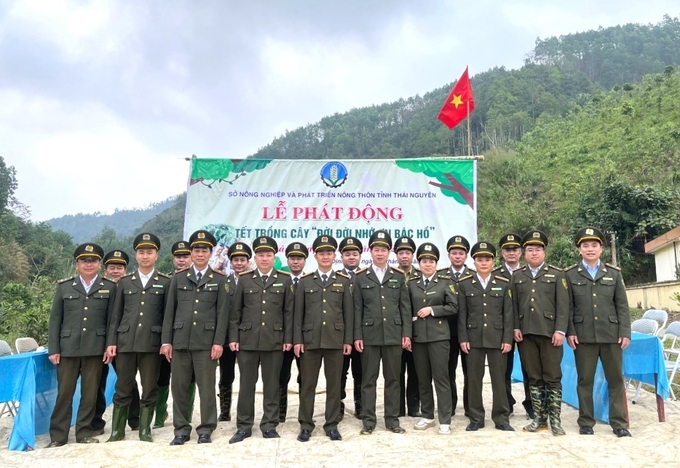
[(459, 104)]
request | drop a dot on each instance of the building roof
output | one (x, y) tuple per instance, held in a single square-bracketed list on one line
[(663, 240)]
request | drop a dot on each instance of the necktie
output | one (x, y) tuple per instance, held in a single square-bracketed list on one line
[(264, 278), (427, 281), (457, 275), (351, 274), (295, 281), (324, 278), (199, 275)]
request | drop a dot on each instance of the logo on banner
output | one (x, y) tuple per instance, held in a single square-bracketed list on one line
[(334, 174)]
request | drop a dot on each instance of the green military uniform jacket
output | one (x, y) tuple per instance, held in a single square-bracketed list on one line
[(262, 316), (598, 307), (78, 319), (324, 313), (485, 315), (541, 304), (441, 295), (137, 317), (382, 312), (196, 315)]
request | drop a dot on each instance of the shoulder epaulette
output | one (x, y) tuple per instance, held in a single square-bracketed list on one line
[(472, 270), (247, 272), (443, 274), (283, 272), (555, 268), (499, 267), (398, 270), (182, 270), (501, 278), (109, 279), (442, 269), (613, 266), (124, 276), (465, 278), (339, 273), (307, 274), (163, 275), (363, 270), (66, 280), (571, 267), (219, 272)]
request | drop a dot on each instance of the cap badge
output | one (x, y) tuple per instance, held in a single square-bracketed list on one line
[(458, 239), (536, 235), (239, 246), (381, 235), (181, 245), (89, 248), (511, 237), (263, 240), (117, 253), (296, 246), (482, 245), (428, 248), (589, 232), (350, 241), (146, 237), (201, 235), (323, 239)]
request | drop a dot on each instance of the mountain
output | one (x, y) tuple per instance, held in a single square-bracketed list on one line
[(84, 227)]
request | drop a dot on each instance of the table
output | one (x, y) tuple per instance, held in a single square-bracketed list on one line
[(642, 360), (31, 380)]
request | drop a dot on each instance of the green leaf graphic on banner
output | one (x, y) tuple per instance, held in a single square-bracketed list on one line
[(456, 178), (209, 171)]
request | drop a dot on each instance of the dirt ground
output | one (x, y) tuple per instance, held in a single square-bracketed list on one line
[(652, 443)]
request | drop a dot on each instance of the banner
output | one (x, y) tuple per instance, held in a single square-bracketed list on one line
[(429, 200)]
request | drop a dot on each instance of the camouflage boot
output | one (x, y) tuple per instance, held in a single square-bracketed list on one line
[(555, 410), (540, 421)]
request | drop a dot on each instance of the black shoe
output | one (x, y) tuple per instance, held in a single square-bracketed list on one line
[(473, 426), (134, 426), (204, 439), (622, 433), (366, 431), (271, 434), (505, 427), (224, 417), (415, 414), (587, 430), (396, 429), (180, 440), (55, 444), (92, 440), (333, 434), (304, 435), (240, 436)]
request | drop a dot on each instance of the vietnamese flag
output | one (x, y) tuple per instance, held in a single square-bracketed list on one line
[(459, 104)]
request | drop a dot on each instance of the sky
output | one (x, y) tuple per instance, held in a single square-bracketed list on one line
[(101, 102)]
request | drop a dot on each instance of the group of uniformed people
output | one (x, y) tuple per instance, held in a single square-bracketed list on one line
[(407, 320)]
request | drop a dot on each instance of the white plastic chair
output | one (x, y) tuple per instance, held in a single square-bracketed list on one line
[(672, 354), (9, 407), (648, 327), (25, 345), (661, 316)]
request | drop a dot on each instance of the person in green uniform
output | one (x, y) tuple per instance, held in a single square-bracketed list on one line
[(511, 253), (194, 330), (382, 328), (433, 300), (115, 267), (457, 248), (239, 254), (76, 342), (296, 258), (405, 248), (485, 332), (540, 296), (351, 249), (134, 337), (181, 260), (599, 329), (261, 329), (322, 332)]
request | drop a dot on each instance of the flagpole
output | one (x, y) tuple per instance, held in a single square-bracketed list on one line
[(469, 145)]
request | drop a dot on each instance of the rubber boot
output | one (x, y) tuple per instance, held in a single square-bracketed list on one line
[(145, 417), (192, 396), (118, 421), (161, 407), (540, 420), (283, 403), (555, 410), (225, 403)]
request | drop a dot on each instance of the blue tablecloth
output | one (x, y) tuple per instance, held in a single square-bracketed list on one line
[(642, 360), (31, 380)]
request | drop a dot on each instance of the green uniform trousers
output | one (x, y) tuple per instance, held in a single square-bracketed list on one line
[(542, 361), (127, 364), (310, 364), (184, 364), (89, 369), (370, 365), (500, 410), (611, 355), (248, 363), (431, 363)]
